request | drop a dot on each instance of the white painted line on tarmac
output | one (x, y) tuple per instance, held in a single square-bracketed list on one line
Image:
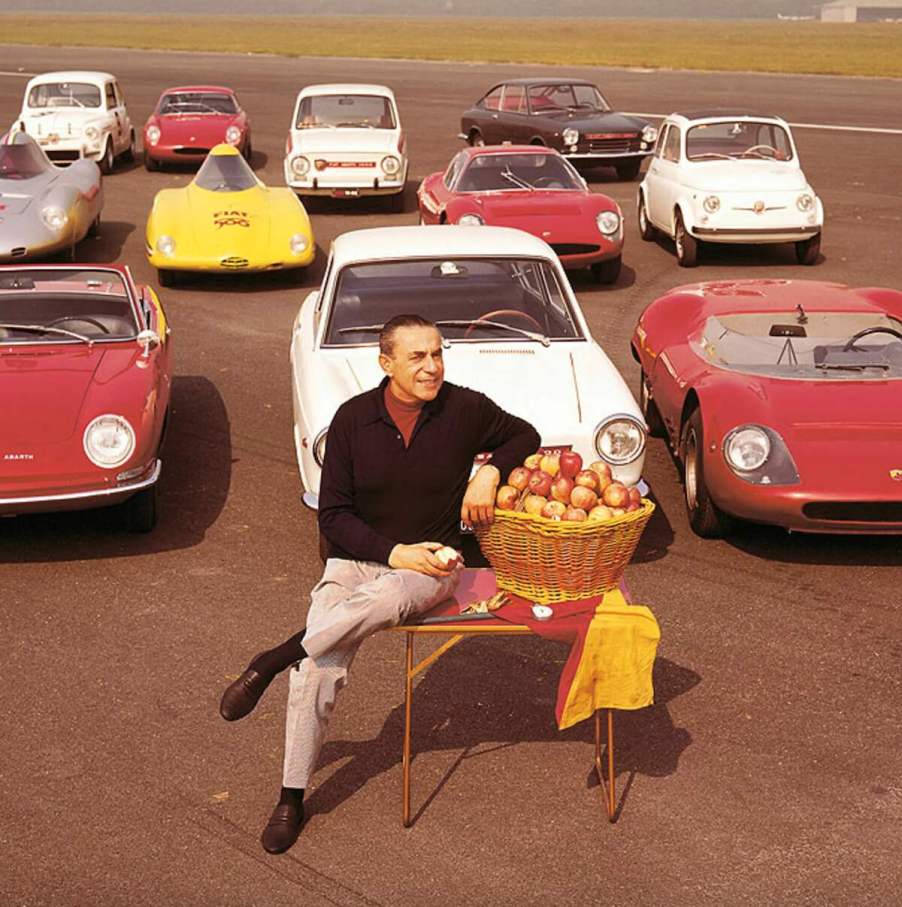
[(873, 129), (23, 75)]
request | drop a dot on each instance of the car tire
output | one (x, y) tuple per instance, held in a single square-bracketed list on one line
[(150, 163), (166, 277), (808, 250), (646, 230), (607, 271), (475, 139), (705, 518), (129, 153), (686, 245), (108, 161), (141, 510), (628, 172), (650, 413), (94, 229), (248, 152)]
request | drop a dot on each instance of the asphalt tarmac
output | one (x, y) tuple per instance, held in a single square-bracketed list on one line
[(768, 772)]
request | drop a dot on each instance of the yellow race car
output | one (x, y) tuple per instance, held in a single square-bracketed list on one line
[(226, 219)]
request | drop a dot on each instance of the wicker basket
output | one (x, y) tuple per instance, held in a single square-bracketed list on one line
[(550, 561)]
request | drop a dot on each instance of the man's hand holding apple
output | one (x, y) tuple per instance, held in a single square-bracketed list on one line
[(431, 558)]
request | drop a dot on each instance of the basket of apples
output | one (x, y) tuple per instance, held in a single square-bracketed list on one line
[(562, 532)]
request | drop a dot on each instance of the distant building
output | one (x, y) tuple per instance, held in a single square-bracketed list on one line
[(861, 10)]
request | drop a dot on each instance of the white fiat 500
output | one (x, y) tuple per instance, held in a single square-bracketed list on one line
[(74, 115), (728, 178), (512, 327), (346, 141)]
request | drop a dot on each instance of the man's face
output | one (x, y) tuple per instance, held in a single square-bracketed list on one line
[(415, 368)]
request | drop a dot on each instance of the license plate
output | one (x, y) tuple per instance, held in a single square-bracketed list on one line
[(345, 193)]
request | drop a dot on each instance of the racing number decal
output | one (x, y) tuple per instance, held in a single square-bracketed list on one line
[(231, 219)]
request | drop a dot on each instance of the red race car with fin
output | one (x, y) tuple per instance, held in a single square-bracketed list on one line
[(532, 188), (782, 399)]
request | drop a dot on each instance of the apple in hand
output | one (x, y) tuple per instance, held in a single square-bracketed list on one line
[(583, 497), (616, 495), (588, 478), (519, 477), (540, 483), (554, 510), (561, 488), (571, 463), (447, 556), (533, 503), (507, 497)]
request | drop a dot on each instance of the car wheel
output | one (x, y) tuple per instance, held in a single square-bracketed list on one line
[(129, 153), (151, 163), (705, 518), (686, 245), (166, 277), (649, 409), (646, 230), (808, 250), (94, 229), (141, 510), (248, 152), (607, 271), (630, 171), (475, 138), (108, 161)]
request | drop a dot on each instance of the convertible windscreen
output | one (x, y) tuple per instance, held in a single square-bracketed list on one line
[(21, 162), (188, 102), (345, 110), (732, 140), (77, 305), (496, 172), (64, 94), (477, 299), (550, 98), (225, 173)]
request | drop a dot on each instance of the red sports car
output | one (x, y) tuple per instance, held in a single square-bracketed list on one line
[(782, 399), (188, 122), (534, 189), (84, 390)]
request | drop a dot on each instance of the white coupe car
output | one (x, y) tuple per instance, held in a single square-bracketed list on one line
[(729, 178), (75, 115), (346, 141), (512, 327)]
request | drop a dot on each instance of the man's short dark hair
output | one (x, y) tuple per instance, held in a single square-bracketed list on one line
[(391, 327)]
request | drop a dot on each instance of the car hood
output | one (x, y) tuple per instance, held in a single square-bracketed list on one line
[(185, 130), (597, 122), (376, 141), (745, 176), (520, 205), (237, 221), (59, 119), (17, 195)]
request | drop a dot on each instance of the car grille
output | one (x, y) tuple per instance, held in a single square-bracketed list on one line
[(613, 144), (63, 157), (573, 248), (855, 511), (234, 263), (192, 151)]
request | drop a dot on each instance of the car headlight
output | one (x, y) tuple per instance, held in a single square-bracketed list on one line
[(649, 134), (153, 134), (298, 243), (570, 136), (55, 217), (470, 220), (608, 222), (805, 202), (233, 135), (620, 440), (319, 447), (109, 441), (300, 166), (92, 133), (747, 448), (166, 246), (390, 165), (711, 204)]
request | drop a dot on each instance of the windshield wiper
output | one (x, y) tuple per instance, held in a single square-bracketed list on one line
[(362, 329), (43, 329), (516, 180), (478, 322), (848, 367)]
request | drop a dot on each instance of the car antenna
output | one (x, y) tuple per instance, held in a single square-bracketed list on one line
[(803, 318)]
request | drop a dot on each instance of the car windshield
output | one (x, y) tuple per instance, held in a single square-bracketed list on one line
[(498, 172), (225, 173), (544, 98), (182, 102), (61, 304), (805, 344), (21, 162), (64, 94), (366, 111), (471, 299), (737, 139)]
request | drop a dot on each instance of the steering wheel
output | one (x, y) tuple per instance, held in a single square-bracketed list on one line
[(84, 318), (850, 343), (514, 313), (774, 152)]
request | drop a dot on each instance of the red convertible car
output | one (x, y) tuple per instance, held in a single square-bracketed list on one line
[(534, 189), (84, 391), (188, 122), (782, 399)]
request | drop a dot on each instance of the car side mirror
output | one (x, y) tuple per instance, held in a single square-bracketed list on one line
[(149, 340)]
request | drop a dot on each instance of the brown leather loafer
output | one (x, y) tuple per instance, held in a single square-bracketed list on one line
[(240, 697), (283, 828)]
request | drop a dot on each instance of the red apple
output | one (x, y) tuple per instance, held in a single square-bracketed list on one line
[(588, 478), (571, 463), (601, 469), (551, 463), (633, 507), (519, 477), (533, 503), (635, 495), (507, 497), (616, 495), (583, 497), (561, 488), (533, 461), (618, 511), (574, 515), (554, 510), (540, 483), (600, 513)]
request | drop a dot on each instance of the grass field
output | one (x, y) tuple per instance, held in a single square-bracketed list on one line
[(757, 46)]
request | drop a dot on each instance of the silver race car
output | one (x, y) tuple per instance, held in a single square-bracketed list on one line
[(44, 209)]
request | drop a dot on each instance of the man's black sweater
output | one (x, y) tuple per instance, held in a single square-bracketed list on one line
[(376, 493)]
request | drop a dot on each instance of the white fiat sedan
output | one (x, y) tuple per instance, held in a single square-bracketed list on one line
[(346, 141), (512, 327), (728, 178)]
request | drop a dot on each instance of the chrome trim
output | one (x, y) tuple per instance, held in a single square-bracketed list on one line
[(604, 157), (83, 495), (754, 231)]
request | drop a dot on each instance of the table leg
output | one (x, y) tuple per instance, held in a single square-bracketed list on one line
[(405, 759), (610, 788)]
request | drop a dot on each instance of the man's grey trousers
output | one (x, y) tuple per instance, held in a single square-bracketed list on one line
[(353, 600)]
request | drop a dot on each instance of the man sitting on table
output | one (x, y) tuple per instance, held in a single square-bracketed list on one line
[(394, 489)]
